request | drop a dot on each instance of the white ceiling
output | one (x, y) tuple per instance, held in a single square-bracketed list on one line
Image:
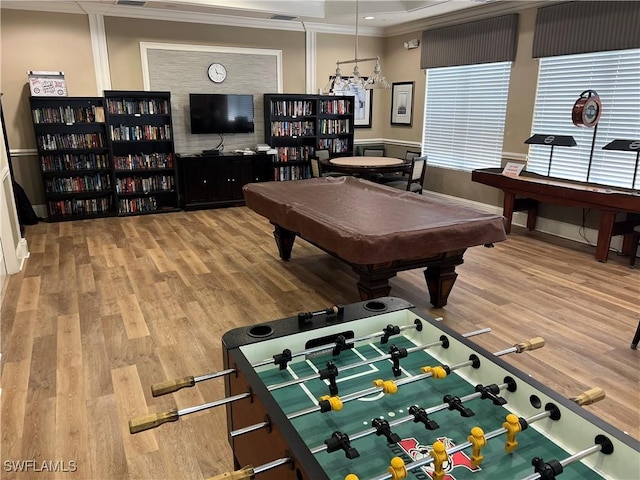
[(387, 13), (322, 15)]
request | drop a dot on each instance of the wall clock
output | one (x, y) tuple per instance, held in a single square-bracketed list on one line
[(217, 72)]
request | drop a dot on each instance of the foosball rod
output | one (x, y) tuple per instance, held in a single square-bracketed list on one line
[(534, 343), (258, 426), (603, 444), (249, 472), (362, 363), (400, 421), (171, 386), (593, 395), (417, 325), (153, 420)]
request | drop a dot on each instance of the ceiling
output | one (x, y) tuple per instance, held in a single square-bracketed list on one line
[(387, 13), (327, 15)]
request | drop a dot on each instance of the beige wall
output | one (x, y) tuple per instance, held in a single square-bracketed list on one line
[(124, 37), (332, 48), (72, 54), (40, 41), (402, 65)]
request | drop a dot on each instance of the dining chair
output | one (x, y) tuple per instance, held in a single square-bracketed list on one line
[(415, 179), (397, 176), (373, 152), (635, 242), (322, 154), (411, 154), (316, 165)]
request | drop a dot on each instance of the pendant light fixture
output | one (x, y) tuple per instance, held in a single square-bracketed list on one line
[(355, 80)]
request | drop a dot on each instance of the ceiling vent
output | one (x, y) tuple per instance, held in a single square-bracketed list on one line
[(131, 3), (282, 17)]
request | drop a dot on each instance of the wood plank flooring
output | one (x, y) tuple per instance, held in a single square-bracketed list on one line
[(105, 308)]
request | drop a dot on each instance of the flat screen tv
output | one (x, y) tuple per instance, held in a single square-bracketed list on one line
[(220, 113)]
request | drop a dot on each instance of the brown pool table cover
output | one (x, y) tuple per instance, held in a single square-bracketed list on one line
[(366, 223)]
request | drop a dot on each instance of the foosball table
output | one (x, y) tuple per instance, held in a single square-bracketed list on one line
[(374, 390)]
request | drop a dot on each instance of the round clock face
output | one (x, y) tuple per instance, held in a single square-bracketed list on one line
[(217, 72)]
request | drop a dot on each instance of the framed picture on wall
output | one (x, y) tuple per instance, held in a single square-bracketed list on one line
[(402, 103), (363, 103)]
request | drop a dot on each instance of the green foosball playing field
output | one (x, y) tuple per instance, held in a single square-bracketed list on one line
[(374, 452)]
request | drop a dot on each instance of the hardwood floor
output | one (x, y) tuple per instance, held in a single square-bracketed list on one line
[(105, 308)]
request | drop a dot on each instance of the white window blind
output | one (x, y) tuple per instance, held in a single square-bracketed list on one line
[(615, 76), (464, 115)]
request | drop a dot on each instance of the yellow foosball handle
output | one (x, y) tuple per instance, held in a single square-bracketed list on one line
[(152, 420), (590, 396), (172, 386), (242, 474), (537, 342)]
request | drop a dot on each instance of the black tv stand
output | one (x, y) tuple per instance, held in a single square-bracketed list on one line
[(208, 181), (213, 151)]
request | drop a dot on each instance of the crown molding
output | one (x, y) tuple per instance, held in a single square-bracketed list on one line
[(50, 7), (480, 12), (122, 11)]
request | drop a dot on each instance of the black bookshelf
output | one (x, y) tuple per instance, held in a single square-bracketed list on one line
[(73, 153), (297, 125), (140, 138)]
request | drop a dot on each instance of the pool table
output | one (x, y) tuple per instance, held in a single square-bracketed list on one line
[(377, 230)]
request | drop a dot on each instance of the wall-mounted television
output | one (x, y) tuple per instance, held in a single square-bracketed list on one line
[(220, 113)]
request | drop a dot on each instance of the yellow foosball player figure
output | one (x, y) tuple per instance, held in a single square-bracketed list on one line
[(513, 427), (397, 469), (478, 442), (440, 456)]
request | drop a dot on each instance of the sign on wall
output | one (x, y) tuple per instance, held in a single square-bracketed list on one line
[(47, 84)]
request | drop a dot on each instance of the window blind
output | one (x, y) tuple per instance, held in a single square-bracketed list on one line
[(615, 75), (464, 115)]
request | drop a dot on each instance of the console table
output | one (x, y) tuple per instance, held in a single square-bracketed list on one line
[(532, 189)]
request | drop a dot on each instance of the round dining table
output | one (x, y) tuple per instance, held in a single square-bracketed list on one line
[(366, 166)]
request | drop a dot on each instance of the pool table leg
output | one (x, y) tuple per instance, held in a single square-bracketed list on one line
[(284, 241), (440, 280), (373, 284)]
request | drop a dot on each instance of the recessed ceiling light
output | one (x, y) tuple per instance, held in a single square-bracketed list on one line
[(369, 17)]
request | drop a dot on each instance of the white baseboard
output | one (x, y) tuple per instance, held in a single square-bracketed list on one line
[(22, 252), (41, 210)]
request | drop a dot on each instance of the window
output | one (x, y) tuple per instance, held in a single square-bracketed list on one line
[(464, 115), (615, 75)]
